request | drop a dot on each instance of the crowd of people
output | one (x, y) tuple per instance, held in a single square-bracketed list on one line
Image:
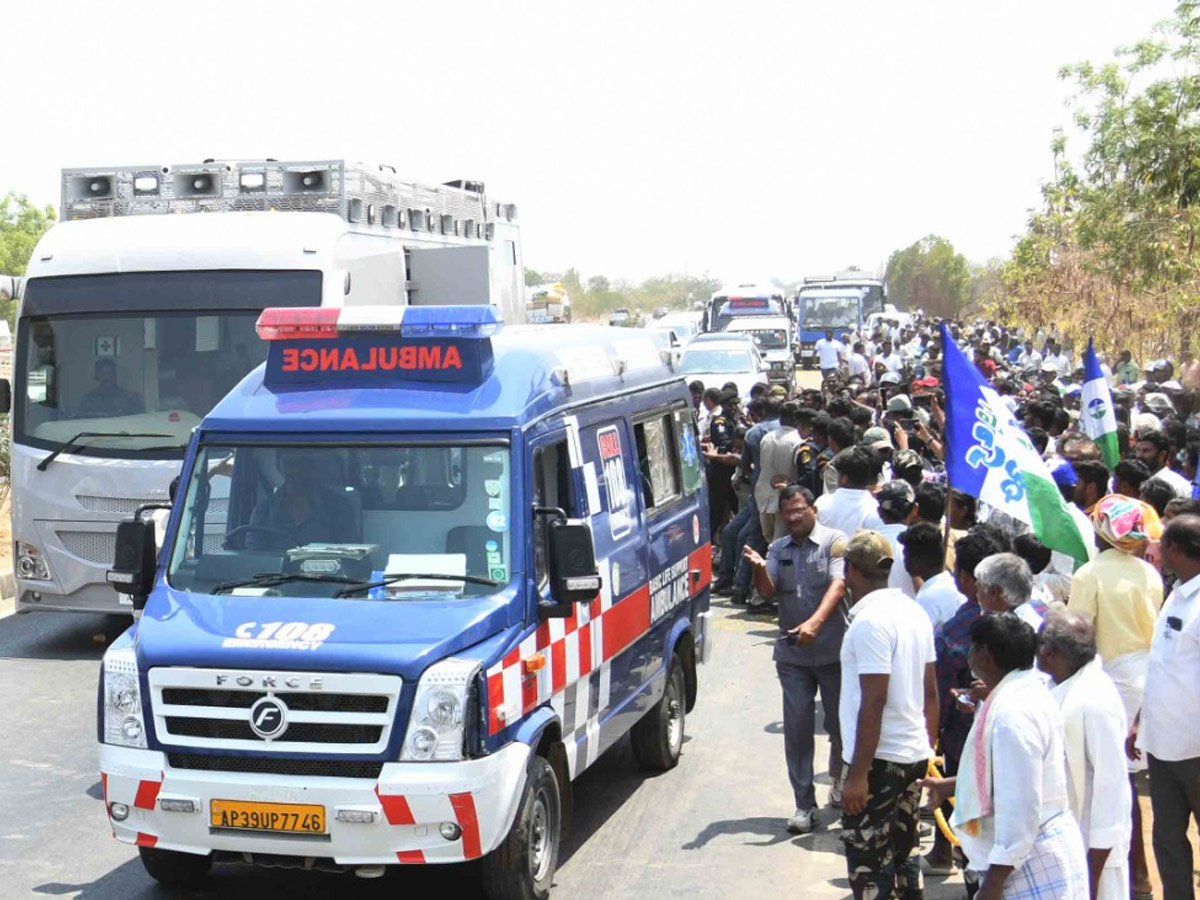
[(932, 626)]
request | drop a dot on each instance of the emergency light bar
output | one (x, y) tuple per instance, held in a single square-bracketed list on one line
[(324, 323), (378, 346)]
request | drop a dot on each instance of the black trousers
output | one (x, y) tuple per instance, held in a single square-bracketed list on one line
[(1174, 799)]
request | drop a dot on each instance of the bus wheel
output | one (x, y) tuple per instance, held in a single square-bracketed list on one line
[(658, 736), (522, 867), (173, 869)]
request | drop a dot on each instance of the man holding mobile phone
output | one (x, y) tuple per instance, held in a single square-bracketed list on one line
[(803, 576)]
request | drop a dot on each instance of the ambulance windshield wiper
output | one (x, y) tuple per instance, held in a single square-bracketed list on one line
[(274, 579), (360, 586), (73, 443)]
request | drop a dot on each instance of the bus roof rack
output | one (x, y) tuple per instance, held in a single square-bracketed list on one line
[(370, 196)]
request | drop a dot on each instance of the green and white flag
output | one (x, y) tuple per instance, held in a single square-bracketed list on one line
[(1096, 409)]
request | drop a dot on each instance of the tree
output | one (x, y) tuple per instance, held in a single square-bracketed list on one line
[(21, 225), (1112, 252), (929, 275)]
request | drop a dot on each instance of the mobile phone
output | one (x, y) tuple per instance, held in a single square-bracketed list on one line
[(924, 400)]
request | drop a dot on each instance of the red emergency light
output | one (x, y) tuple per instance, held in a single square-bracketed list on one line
[(324, 323)]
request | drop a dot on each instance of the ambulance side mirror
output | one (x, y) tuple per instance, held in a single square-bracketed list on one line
[(136, 561), (574, 576)]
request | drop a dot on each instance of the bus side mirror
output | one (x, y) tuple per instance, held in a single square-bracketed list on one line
[(574, 576), (136, 561), (5, 396)]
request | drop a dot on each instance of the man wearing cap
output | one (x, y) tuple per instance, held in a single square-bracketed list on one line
[(1049, 377), (1120, 594), (806, 579), (888, 712), (898, 509)]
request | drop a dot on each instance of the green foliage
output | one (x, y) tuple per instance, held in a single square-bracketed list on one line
[(1112, 253), (930, 275), (599, 295), (21, 225)]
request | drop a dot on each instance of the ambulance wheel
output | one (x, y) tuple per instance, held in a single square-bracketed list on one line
[(173, 869), (658, 736), (522, 867)]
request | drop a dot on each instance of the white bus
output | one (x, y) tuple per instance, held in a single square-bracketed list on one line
[(137, 315)]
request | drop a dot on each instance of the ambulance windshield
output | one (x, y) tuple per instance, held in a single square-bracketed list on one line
[(330, 520)]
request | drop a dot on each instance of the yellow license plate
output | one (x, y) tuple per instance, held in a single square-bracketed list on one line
[(290, 818)]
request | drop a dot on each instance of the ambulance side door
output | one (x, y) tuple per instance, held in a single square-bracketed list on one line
[(611, 477)]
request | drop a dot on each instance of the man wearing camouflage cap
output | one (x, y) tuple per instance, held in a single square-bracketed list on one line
[(888, 712)]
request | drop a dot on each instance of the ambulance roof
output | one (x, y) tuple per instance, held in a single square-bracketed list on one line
[(537, 370)]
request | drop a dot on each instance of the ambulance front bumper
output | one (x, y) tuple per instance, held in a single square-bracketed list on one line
[(410, 803)]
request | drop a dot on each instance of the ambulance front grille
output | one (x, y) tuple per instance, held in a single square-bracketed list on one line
[(265, 765), (347, 713)]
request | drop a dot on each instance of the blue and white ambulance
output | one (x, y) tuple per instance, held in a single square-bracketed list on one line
[(419, 573)]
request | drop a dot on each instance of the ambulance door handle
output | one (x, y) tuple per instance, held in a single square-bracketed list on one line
[(696, 574)]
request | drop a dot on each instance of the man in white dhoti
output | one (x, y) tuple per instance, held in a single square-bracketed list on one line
[(1120, 594), (1012, 814), (1095, 728)]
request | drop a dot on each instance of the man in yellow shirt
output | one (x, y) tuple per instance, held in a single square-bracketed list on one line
[(1120, 594)]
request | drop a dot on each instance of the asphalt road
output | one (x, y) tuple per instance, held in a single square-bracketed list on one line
[(713, 827)]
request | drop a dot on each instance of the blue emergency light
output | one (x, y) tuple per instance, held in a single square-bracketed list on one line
[(378, 346)]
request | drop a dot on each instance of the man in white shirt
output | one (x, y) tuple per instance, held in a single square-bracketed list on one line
[(888, 710), (893, 361), (1167, 730), (1094, 727), (829, 354), (852, 506), (1154, 449), (858, 364), (1004, 583), (924, 557), (1029, 358)]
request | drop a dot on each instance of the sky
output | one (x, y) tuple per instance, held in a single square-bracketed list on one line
[(748, 141)]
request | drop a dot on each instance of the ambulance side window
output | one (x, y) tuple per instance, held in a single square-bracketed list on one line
[(658, 461), (552, 487)]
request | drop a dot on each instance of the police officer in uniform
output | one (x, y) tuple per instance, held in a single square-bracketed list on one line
[(721, 462)]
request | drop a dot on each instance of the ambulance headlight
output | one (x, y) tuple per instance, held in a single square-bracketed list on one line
[(122, 699), (436, 730)]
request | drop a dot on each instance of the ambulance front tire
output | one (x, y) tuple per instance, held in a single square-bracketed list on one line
[(522, 867), (658, 735), (173, 869)]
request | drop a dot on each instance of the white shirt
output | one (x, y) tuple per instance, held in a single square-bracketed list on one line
[(859, 366), (1183, 487), (1029, 774), (886, 636), (1029, 359), (1171, 702), (848, 510), (1094, 718), (1027, 614), (829, 352), (894, 362), (940, 598), (899, 579)]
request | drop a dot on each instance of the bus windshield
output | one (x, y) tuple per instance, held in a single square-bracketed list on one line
[(305, 520), (830, 312), (134, 361)]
